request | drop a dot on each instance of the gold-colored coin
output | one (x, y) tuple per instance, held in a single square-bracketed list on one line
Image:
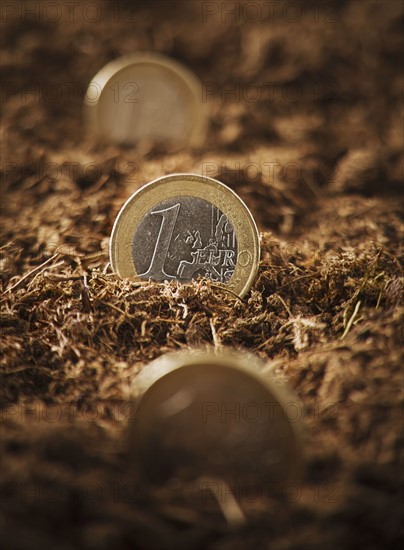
[(215, 414), (146, 97), (183, 226)]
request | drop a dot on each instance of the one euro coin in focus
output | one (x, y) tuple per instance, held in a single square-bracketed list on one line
[(183, 226), (146, 98)]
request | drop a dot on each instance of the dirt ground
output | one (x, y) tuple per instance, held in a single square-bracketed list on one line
[(305, 123)]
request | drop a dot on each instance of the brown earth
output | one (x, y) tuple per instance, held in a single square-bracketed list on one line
[(319, 163)]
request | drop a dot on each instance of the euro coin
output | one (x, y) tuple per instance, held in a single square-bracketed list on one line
[(146, 98), (183, 226), (215, 414)]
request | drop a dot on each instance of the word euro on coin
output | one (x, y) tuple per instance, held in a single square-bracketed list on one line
[(209, 413), (146, 98), (182, 226)]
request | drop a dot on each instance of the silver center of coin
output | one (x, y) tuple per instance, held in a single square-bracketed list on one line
[(182, 238)]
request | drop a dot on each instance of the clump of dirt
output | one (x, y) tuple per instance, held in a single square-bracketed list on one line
[(321, 174)]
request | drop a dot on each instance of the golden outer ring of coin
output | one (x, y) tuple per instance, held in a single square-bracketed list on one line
[(237, 361), (111, 69), (194, 185)]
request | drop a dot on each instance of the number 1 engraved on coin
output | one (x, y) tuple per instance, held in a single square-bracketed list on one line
[(194, 238), (156, 268)]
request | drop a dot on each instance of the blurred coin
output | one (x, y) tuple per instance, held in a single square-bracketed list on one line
[(182, 226), (146, 97), (214, 414)]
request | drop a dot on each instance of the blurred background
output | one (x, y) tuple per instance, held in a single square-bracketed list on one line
[(308, 93)]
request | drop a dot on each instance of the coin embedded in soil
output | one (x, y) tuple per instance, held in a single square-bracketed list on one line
[(146, 97), (204, 413), (183, 226)]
